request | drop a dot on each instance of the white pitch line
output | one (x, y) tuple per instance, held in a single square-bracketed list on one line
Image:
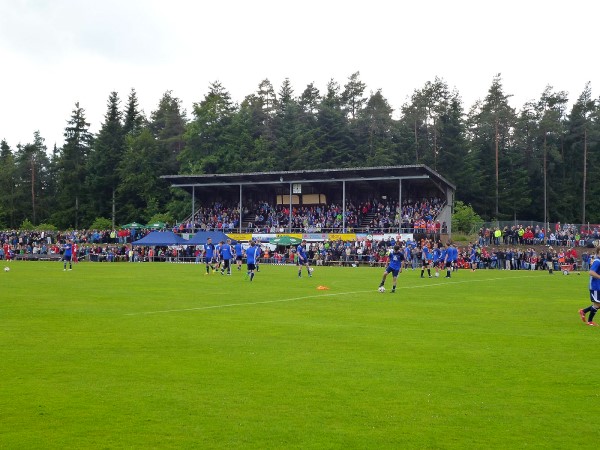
[(200, 308), (230, 305)]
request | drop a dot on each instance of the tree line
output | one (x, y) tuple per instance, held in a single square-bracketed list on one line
[(537, 163)]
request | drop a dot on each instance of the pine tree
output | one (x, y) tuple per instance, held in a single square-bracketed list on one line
[(209, 135), (374, 133), (32, 180), (579, 140), (105, 156), (72, 170), (168, 124), (141, 192), (412, 130), (544, 154), (456, 160), (334, 142), (353, 96), (492, 123), (289, 131), (309, 100), (7, 187), (134, 118)]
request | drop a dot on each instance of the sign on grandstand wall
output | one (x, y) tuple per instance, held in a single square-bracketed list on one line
[(313, 237), (263, 237), (322, 237), (241, 237), (342, 236), (384, 236)]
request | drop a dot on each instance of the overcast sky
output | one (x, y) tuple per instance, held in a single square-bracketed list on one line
[(54, 53)]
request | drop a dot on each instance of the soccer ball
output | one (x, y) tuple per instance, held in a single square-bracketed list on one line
[(311, 270), (565, 272), (437, 274), (7, 269), (381, 289)]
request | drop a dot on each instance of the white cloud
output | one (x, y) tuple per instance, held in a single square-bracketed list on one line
[(55, 53)]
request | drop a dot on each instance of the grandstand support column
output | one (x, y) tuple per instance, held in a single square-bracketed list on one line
[(343, 206), (290, 216), (400, 205), (448, 209), (240, 211), (193, 208)]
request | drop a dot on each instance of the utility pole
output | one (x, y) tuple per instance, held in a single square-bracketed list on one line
[(33, 187), (497, 179)]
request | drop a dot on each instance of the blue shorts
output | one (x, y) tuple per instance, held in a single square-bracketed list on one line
[(394, 272)]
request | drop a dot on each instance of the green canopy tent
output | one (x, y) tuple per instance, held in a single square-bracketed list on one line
[(133, 225), (285, 241), (156, 225)]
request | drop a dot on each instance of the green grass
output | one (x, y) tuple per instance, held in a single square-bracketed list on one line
[(161, 356)]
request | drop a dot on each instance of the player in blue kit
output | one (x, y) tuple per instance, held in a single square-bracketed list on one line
[(437, 259), (226, 254), (426, 261), (239, 255), (450, 259), (67, 255), (473, 258), (594, 286), (407, 255), (209, 256), (217, 255), (394, 267), (252, 255), (302, 259)]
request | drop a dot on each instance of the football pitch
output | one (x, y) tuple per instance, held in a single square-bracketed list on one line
[(158, 355)]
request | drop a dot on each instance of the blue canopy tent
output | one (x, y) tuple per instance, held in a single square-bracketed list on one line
[(201, 237), (161, 238)]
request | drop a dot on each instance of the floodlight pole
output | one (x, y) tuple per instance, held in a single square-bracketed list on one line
[(545, 193), (114, 211)]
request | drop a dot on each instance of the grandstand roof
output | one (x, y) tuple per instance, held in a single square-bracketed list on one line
[(358, 174)]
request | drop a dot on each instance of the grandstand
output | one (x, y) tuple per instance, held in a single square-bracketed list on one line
[(367, 199)]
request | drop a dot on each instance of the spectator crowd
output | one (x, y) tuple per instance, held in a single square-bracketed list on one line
[(514, 247), (368, 216)]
